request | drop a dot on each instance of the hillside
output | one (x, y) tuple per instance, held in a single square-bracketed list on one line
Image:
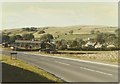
[(79, 31)]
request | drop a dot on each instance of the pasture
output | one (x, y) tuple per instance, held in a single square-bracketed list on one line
[(79, 31)]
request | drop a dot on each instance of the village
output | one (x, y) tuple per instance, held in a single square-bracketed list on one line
[(47, 43), (60, 41)]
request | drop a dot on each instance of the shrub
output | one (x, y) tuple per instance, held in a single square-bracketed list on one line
[(46, 37), (92, 32), (28, 36), (71, 32), (41, 32)]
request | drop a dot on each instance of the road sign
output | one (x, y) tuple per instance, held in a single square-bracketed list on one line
[(13, 54)]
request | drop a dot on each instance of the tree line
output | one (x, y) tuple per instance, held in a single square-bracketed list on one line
[(76, 44), (11, 39)]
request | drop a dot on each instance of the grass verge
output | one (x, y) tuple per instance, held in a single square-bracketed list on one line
[(33, 69), (110, 57)]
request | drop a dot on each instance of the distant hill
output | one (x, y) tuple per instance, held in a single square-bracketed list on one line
[(63, 32)]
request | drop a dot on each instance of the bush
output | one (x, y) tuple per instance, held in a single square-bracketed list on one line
[(12, 39), (92, 32), (61, 44), (5, 38), (19, 37), (28, 36), (41, 32), (46, 37), (71, 32), (29, 29)]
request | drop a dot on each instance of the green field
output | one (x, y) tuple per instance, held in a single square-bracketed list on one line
[(77, 36), (79, 31)]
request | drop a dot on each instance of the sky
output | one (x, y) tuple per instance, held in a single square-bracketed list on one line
[(38, 14)]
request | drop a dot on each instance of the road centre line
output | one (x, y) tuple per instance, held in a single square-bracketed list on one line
[(95, 71), (62, 63)]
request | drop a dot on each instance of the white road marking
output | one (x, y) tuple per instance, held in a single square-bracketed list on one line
[(62, 63), (76, 60), (96, 71)]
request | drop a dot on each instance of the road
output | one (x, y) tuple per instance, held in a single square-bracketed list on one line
[(72, 70)]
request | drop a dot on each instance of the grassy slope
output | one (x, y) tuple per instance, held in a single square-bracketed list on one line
[(78, 31), (19, 71), (16, 74), (74, 36)]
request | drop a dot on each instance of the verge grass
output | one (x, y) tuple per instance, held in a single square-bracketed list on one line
[(31, 68), (110, 57)]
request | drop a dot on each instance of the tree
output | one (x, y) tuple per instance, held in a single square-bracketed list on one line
[(97, 31), (19, 37), (0, 37), (46, 37), (29, 29), (41, 32), (8, 33), (111, 39), (43, 45), (71, 32), (28, 36), (80, 43), (117, 31), (117, 42), (33, 29), (5, 38), (92, 31), (101, 38), (12, 39), (61, 44), (73, 44)]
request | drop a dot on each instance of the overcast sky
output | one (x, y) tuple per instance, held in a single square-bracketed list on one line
[(21, 14)]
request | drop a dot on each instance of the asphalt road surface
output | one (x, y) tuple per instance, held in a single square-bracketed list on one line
[(72, 70)]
